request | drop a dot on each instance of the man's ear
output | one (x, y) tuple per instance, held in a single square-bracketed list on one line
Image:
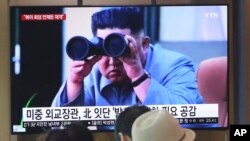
[(145, 42), (124, 137)]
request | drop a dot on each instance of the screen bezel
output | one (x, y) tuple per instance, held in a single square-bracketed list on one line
[(171, 5)]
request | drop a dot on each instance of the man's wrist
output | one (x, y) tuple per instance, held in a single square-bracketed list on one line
[(142, 78)]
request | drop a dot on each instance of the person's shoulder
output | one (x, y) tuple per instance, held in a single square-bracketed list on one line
[(164, 61), (161, 51)]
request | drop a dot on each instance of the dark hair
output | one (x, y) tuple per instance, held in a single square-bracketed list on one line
[(126, 119), (119, 17), (73, 132), (56, 135)]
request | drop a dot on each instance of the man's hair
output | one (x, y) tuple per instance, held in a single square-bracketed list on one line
[(73, 132), (119, 17), (126, 119)]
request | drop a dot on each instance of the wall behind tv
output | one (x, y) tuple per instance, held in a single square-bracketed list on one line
[(4, 72), (242, 90)]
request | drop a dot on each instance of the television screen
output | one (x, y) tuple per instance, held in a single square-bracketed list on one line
[(89, 63)]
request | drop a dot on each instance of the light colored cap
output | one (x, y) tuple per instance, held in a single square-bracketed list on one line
[(159, 125)]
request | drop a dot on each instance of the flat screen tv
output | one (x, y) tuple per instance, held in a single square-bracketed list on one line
[(40, 66)]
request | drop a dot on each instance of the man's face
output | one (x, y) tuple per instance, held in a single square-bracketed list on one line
[(112, 68)]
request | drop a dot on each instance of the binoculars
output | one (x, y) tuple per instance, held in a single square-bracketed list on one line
[(80, 48)]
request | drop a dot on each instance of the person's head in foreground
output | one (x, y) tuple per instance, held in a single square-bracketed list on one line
[(159, 125), (125, 121), (73, 132)]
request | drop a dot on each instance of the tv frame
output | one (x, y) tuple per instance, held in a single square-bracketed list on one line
[(175, 5)]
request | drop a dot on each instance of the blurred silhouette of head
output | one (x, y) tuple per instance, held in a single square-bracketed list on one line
[(73, 132), (126, 119)]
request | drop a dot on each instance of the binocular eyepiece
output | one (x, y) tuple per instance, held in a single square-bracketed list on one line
[(80, 48)]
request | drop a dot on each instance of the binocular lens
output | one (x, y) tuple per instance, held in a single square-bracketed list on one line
[(78, 48), (115, 45)]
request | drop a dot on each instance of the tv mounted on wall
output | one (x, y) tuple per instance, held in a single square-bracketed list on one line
[(40, 66)]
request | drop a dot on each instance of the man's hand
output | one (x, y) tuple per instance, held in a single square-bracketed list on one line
[(79, 70), (132, 62)]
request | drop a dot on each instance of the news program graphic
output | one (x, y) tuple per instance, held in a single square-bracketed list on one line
[(43, 17), (239, 132), (100, 116)]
